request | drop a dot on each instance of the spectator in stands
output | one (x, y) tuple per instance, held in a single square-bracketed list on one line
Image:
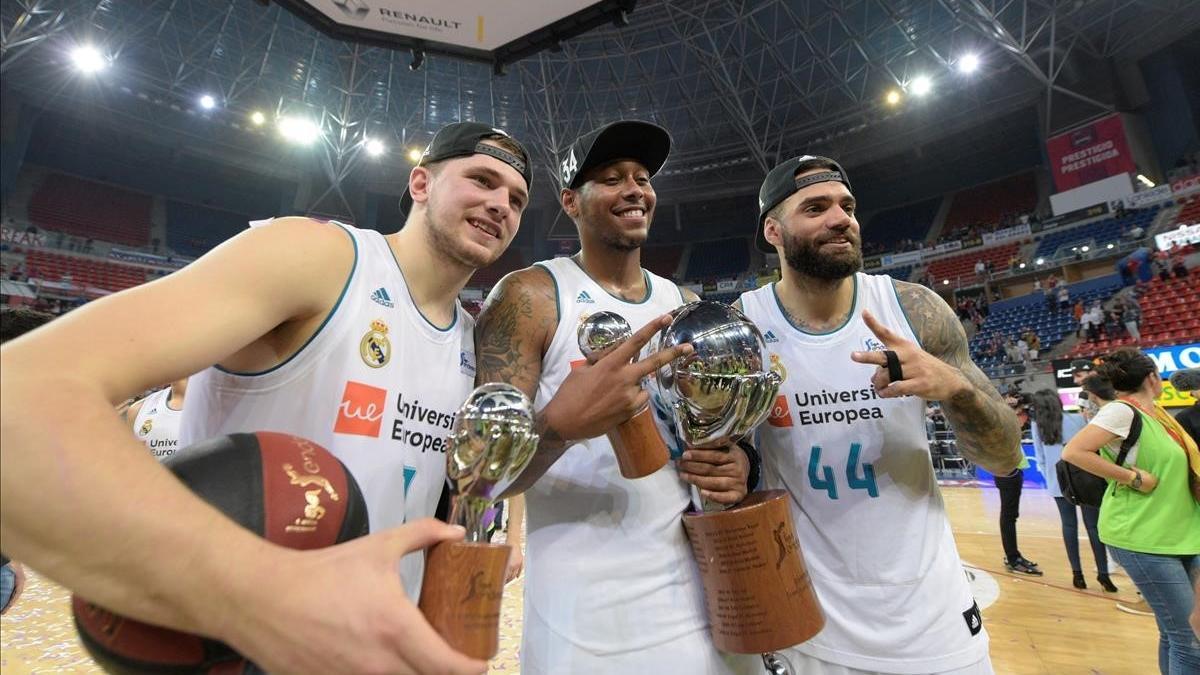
[(1051, 428), (1179, 265), (1131, 317), (1114, 327), (15, 322), (980, 269), (1035, 344), (1161, 268), (1078, 313), (1064, 298), (1050, 297), (1150, 516), (1022, 350), (1011, 353)]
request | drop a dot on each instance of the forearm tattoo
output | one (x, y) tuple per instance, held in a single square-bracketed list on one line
[(985, 427)]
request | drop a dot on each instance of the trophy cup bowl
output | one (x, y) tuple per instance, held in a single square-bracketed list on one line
[(490, 444), (757, 589), (639, 449)]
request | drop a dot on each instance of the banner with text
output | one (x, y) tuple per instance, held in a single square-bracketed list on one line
[(1089, 153)]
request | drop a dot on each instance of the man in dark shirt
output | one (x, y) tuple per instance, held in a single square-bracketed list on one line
[(1189, 380)]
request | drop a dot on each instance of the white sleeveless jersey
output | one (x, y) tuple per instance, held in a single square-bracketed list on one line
[(378, 386), (609, 569), (157, 424), (869, 515)]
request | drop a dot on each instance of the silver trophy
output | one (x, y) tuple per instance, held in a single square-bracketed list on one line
[(600, 332), (725, 387), (490, 445), (637, 443)]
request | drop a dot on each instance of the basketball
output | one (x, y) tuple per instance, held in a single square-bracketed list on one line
[(287, 489)]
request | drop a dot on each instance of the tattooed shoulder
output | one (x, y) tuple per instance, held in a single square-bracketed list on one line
[(515, 326), (937, 327)]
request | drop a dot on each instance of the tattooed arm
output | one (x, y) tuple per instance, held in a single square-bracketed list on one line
[(985, 427), (512, 334)]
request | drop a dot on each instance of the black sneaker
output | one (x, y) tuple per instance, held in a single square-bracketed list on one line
[(1022, 566)]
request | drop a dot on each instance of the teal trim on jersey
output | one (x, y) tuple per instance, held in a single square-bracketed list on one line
[(557, 306), (328, 317), (645, 280), (850, 315), (905, 313), (421, 314)]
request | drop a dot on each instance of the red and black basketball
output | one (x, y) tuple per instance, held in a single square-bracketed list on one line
[(287, 489)]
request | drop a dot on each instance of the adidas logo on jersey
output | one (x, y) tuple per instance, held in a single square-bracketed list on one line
[(770, 337), (584, 297), (381, 296)]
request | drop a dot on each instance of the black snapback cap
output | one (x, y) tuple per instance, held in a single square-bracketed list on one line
[(781, 183), (644, 142), (462, 139)]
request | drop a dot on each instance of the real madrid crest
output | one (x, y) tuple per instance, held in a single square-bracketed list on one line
[(146, 427), (375, 348)]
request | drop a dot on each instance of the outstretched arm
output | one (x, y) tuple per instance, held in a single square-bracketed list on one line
[(940, 369)]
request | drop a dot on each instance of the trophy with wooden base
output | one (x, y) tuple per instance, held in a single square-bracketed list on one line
[(490, 445), (636, 442), (757, 589)]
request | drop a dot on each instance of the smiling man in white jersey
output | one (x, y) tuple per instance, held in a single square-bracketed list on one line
[(345, 336), (846, 437), (611, 586)]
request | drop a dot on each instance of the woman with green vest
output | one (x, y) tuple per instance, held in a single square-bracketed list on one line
[(1150, 516)]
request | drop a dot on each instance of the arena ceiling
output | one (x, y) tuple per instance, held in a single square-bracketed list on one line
[(738, 83)]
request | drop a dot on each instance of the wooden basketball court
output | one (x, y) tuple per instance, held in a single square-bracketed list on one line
[(1038, 625)]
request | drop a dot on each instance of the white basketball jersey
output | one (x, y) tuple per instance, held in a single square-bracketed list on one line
[(157, 424), (378, 386), (609, 569), (869, 515)]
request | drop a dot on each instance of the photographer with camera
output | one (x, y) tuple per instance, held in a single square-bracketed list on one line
[(1010, 494)]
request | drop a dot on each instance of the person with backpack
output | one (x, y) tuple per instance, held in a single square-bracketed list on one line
[(1051, 428), (1150, 513)]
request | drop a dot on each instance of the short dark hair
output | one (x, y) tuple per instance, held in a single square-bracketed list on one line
[(1100, 387), (1126, 369), (17, 321)]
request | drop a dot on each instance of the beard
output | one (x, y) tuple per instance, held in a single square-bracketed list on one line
[(622, 242), (805, 257)]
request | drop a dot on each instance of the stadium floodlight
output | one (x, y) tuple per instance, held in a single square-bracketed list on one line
[(1021, 266), (921, 85), (968, 64), (258, 118), (299, 130), (374, 147), (208, 102), (414, 155), (892, 98), (88, 59), (1110, 246), (1145, 181), (945, 282), (1085, 249), (1040, 261)]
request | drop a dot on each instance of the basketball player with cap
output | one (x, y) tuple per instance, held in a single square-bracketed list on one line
[(343, 336), (846, 438), (611, 585), (156, 419)]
